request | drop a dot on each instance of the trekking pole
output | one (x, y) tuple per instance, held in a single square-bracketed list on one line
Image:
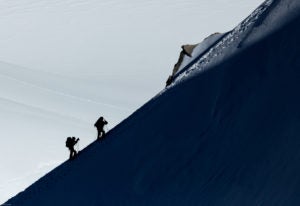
[(77, 146)]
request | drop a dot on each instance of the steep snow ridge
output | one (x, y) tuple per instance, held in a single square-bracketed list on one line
[(273, 19), (198, 51), (41, 109), (232, 42), (228, 136), (79, 41), (37, 107), (44, 108)]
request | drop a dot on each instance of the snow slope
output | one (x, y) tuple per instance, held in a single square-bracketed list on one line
[(65, 62), (225, 133), (267, 18), (38, 111)]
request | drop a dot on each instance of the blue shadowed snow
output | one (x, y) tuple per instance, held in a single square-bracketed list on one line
[(228, 135)]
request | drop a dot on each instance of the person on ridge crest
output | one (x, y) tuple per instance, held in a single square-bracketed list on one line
[(70, 143), (100, 123)]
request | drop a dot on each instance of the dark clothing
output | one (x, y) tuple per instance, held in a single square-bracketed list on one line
[(101, 122), (101, 134), (73, 153), (70, 144)]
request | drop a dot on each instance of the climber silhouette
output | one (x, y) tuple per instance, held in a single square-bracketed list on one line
[(70, 143), (100, 123)]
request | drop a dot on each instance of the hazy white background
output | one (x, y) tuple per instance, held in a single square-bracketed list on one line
[(65, 62)]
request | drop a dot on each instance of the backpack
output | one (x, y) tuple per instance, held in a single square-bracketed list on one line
[(69, 142)]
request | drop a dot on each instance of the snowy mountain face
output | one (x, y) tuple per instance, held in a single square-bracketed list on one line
[(225, 133), (38, 111), (63, 63), (259, 24)]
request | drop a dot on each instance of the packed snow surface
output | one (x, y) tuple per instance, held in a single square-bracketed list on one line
[(225, 133)]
